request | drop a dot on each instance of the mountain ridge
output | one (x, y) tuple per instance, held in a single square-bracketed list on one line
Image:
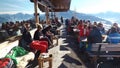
[(68, 14), (14, 17), (109, 15), (83, 16)]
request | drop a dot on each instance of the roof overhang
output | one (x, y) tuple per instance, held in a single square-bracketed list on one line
[(54, 5)]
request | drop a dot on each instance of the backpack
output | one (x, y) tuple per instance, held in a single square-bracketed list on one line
[(7, 63)]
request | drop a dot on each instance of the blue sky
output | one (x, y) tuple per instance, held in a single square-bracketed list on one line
[(95, 6), (15, 6), (84, 6)]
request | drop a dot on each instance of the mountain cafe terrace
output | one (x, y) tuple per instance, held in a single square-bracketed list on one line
[(58, 42)]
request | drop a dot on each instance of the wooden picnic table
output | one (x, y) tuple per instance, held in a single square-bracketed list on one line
[(103, 36), (104, 50)]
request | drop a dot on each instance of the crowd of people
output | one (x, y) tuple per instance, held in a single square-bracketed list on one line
[(43, 36), (93, 31), (42, 39), (44, 32), (9, 29)]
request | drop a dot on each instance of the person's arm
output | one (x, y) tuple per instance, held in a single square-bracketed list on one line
[(49, 33)]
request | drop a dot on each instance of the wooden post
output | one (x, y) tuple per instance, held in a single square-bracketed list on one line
[(47, 15), (36, 13), (54, 15)]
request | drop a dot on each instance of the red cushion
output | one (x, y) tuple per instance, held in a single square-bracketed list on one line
[(39, 45)]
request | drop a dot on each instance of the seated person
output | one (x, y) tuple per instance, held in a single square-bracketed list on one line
[(94, 37), (47, 33), (101, 28), (113, 36), (38, 33), (26, 34), (26, 37)]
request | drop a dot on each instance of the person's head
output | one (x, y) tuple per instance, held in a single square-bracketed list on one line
[(49, 27), (115, 24), (100, 24), (80, 22), (95, 23), (27, 26), (113, 29), (85, 26), (39, 27), (94, 27)]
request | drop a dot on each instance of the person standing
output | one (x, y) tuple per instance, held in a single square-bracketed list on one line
[(61, 19)]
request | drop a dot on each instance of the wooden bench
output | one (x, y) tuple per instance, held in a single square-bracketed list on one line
[(104, 50), (14, 38), (106, 47)]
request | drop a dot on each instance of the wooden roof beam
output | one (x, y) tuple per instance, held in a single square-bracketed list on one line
[(46, 3)]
